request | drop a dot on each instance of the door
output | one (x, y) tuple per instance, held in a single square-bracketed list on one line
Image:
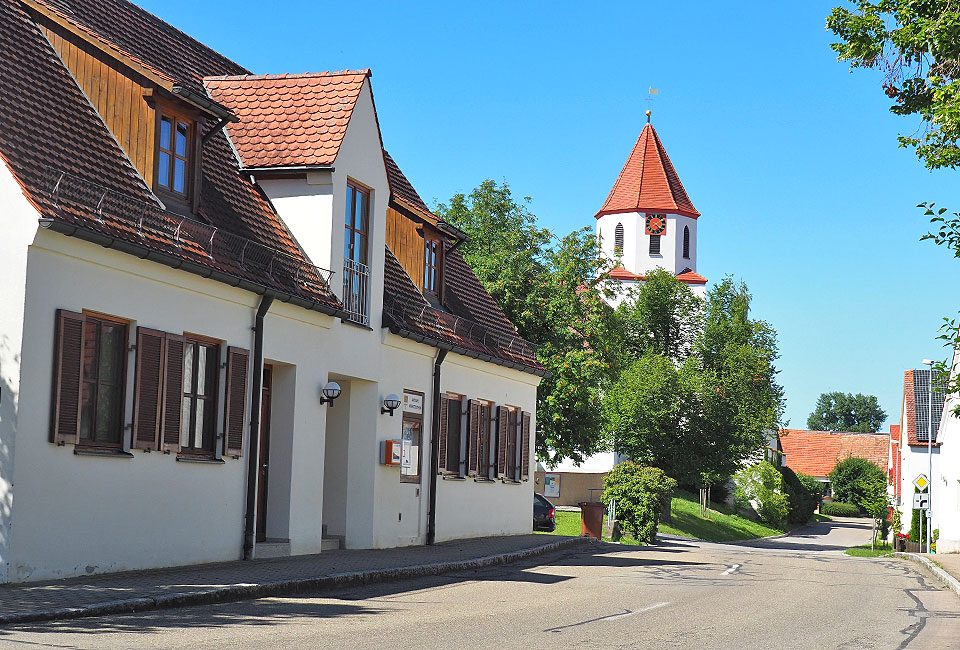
[(263, 471)]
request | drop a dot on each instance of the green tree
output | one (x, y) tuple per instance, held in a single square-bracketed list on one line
[(553, 291), (847, 412), (700, 395), (640, 493), (856, 480), (916, 44)]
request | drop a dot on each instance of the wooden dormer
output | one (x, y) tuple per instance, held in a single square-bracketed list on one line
[(138, 104)]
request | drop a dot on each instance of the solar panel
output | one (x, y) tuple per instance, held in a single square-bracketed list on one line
[(921, 395)]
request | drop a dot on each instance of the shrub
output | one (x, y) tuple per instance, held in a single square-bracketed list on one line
[(640, 493), (918, 526), (839, 509), (802, 496), (761, 487), (854, 480)]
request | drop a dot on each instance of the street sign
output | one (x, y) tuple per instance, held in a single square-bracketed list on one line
[(921, 501), (921, 482)]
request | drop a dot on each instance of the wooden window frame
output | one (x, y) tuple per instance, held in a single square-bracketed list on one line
[(432, 241), (486, 440), (456, 436), (350, 220), (210, 400), (100, 318), (177, 114), (514, 420)]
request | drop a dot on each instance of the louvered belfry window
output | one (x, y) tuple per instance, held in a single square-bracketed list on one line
[(654, 244), (618, 240), (686, 242)]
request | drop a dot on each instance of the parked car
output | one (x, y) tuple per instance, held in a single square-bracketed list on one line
[(544, 514)]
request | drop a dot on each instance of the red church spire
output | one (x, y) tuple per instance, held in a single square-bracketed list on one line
[(648, 182)]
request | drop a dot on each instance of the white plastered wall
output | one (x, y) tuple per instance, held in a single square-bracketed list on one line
[(468, 508), (946, 512), (19, 229)]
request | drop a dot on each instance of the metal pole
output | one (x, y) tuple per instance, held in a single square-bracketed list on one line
[(930, 458)]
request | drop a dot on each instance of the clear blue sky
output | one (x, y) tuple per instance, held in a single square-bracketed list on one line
[(791, 159)]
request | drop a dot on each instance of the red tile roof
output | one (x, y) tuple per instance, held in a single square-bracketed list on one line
[(686, 276), (648, 182), (817, 452), (289, 120), (82, 183)]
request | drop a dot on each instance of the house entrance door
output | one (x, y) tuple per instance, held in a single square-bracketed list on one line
[(263, 470)]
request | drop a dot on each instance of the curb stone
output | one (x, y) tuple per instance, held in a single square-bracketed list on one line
[(248, 591), (945, 578)]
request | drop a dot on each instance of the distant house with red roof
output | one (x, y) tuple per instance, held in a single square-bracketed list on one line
[(816, 453), (648, 221)]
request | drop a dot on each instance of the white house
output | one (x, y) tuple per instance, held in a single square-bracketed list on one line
[(648, 221), (912, 446), (946, 485), (182, 379)]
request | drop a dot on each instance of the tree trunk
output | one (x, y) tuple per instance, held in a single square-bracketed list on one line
[(665, 515)]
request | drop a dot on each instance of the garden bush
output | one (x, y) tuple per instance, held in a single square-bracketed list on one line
[(803, 497), (640, 493), (840, 509), (760, 487)]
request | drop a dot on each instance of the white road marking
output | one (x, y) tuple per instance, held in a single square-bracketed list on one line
[(731, 569)]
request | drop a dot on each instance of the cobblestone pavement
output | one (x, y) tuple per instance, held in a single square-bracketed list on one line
[(186, 583)]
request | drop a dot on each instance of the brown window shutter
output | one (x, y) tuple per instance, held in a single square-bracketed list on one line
[(238, 362), (473, 437), (172, 393), (444, 433), (148, 389), (67, 378), (525, 447), (503, 419)]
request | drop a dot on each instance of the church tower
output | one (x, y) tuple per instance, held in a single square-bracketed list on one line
[(648, 221)]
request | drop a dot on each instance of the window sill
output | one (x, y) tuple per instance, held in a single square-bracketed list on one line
[(200, 459), (510, 481), (94, 451), (356, 324), (483, 480), (453, 477)]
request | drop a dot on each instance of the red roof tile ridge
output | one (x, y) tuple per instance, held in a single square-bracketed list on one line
[(367, 72)]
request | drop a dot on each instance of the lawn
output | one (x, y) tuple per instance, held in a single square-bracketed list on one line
[(720, 525), (865, 551)]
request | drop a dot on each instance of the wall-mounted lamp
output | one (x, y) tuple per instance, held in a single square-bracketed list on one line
[(390, 404), (329, 393)]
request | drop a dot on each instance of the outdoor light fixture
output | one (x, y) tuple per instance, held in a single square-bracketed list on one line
[(390, 404), (329, 393)]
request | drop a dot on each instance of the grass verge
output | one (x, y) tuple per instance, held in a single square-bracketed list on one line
[(864, 550), (720, 525)]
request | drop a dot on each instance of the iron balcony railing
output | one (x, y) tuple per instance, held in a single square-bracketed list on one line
[(130, 218), (356, 284)]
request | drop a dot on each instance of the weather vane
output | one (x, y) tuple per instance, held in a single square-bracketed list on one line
[(651, 92)]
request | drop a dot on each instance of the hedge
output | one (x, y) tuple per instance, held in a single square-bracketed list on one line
[(839, 509)]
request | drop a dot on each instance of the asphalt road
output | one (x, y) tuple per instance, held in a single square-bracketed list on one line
[(795, 592)]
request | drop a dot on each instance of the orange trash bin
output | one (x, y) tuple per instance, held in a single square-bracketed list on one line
[(591, 518)]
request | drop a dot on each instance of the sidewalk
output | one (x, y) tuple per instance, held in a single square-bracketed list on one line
[(945, 567), (134, 591)]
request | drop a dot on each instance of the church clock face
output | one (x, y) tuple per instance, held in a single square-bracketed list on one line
[(656, 224)]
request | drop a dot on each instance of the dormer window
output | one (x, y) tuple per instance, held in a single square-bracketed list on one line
[(175, 137), (432, 262)]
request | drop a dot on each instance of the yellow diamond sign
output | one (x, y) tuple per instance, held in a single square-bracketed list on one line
[(921, 482)]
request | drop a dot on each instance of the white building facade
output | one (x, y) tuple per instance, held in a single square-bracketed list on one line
[(168, 327)]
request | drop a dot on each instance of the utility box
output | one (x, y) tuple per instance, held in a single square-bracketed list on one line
[(390, 452)]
